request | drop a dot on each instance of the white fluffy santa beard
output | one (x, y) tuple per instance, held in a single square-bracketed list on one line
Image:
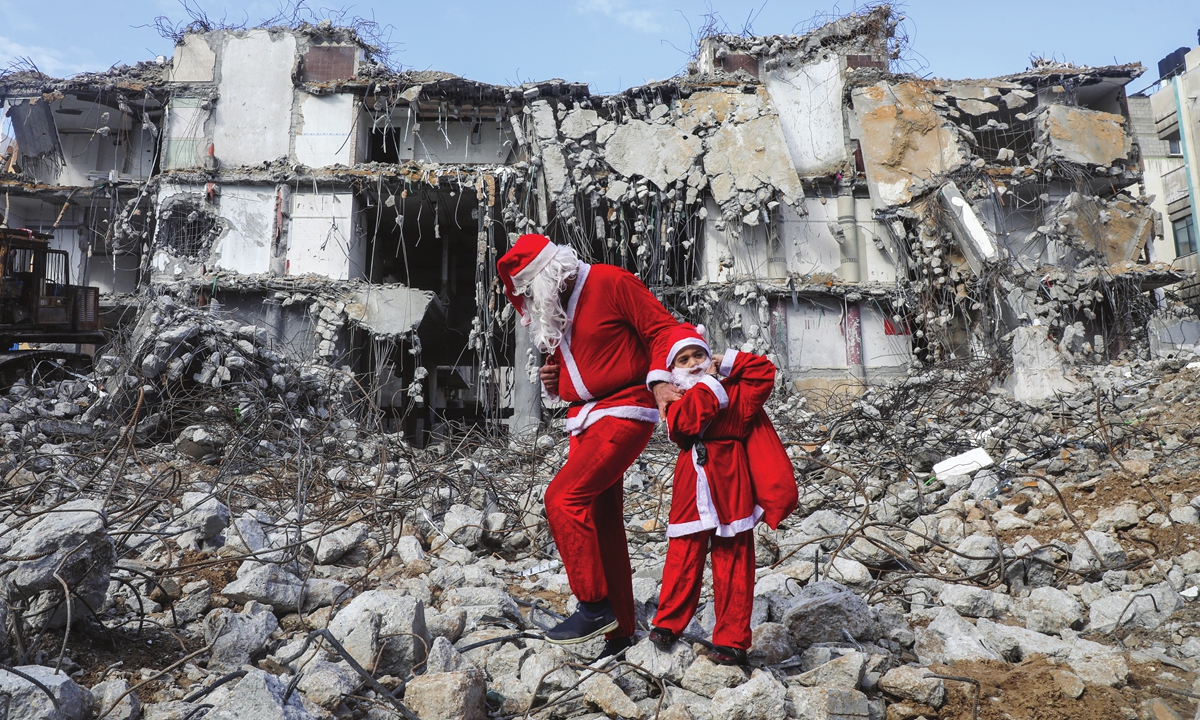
[(546, 315), (686, 378)]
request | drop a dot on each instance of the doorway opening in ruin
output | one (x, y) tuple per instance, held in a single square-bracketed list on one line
[(425, 238)]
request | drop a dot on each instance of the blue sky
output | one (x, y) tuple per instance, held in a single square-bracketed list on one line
[(614, 44)]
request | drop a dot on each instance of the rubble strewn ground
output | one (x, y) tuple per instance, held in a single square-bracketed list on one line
[(235, 541)]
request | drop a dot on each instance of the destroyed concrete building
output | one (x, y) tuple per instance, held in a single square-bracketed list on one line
[(791, 192)]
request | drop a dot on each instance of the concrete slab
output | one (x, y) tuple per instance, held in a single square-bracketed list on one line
[(808, 99), (321, 240), (194, 60), (903, 139), (253, 117)]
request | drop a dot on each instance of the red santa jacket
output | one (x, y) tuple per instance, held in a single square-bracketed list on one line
[(747, 475), (616, 327)]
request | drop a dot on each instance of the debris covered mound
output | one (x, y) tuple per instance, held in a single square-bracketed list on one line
[(205, 520)]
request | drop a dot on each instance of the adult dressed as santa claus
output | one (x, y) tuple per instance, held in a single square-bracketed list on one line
[(600, 327)]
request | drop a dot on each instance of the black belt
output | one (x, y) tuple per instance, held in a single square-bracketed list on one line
[(702, 450)]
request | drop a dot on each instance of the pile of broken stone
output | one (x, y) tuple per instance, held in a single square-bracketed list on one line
[(987, 551)]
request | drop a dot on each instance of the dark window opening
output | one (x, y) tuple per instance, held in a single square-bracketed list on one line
[(384, 144), (1184, 230)]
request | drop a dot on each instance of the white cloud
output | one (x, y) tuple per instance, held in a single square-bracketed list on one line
[(621, 11), (48, 60)]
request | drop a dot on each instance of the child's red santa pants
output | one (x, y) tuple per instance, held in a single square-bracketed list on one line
[(733, 584), (585, 508)]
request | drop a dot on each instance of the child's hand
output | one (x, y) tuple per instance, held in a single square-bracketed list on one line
[(716, 364)]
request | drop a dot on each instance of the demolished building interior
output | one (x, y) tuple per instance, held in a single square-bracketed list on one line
[(295, 247)]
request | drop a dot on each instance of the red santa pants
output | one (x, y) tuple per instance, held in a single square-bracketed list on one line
[(733, 584), (585, 508)]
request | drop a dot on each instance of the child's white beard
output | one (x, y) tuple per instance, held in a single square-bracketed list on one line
[(686, 378)]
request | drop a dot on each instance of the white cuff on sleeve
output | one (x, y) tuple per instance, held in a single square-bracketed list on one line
[(727, 360), (657, 376), (717, 388)]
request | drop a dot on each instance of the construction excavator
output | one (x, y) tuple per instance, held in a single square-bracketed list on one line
[(39, 306)]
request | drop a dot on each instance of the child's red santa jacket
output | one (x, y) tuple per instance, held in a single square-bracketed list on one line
[(616, 327), (747, 474)]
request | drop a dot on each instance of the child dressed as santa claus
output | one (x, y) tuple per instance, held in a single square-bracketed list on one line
[(732, 471)]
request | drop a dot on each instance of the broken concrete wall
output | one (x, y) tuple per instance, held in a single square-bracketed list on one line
[(195, 59), (245, 244), (230, 228), (323, 239), (813, 250), (886, 343), (326, 131), (816, 334), (253, 118), (904, 141), (808, 100), (65, 139), (188, 224)]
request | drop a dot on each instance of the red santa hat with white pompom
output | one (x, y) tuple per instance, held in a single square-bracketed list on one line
[(681, 337), (529, 255)]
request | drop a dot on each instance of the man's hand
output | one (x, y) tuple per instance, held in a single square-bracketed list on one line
[(664, 394), (549, 376), (716, 364)]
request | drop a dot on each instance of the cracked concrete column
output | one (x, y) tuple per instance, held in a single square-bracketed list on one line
[(527, 391), (850, 270)]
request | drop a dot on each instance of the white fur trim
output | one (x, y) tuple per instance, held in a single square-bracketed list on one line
[(687, 528), (717, 388), (727, 360), (588, 417), (704, 506), (580, 279), (535, 266), (740, 526), (657, 376), (708, 512), (565, 344), (686, 342), (575, 424)]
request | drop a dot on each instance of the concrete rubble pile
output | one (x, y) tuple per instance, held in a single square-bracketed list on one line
[(947, 529)]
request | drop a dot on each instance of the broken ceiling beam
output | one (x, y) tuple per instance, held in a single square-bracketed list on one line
[(972, 237)]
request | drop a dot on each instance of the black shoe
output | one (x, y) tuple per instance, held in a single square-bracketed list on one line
[(582, 626), (663, 638), (722, 655), (616, 645)]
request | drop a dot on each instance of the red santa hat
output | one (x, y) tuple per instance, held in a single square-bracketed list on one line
[(683, 336), (529, 255)]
